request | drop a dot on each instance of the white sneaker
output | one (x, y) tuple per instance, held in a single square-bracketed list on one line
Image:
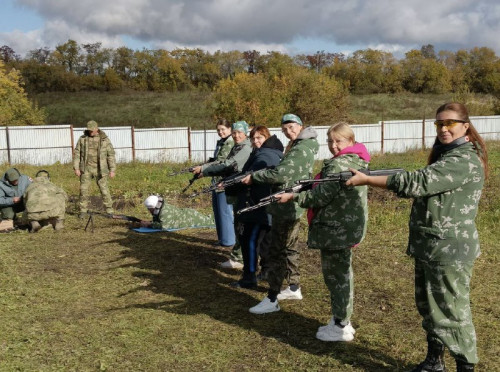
[(335, 333), (288, 294), (330, 324), (265, 306), (230, 264)]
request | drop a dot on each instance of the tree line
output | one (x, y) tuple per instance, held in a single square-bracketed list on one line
[(253, 85)]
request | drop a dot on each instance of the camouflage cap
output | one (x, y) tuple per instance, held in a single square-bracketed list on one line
[(291, 118), (92, 125), (241, 126), (12, 175)]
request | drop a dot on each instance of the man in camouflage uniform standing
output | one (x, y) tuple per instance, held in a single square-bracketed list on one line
[(45, 203), (94, 159), (167, 216)]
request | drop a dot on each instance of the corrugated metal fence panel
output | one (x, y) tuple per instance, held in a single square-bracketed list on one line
[(40, 145), (203, 145), (402, 135), (4, 155), (120, 137), (162, 145), (487, 126)]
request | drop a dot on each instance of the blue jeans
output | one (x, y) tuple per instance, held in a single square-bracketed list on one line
[(224, 220)]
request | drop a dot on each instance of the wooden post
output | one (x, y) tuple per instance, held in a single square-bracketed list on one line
[(423, 133), (132, 134), (8, 144), (189, 143), (72, 135), (382, 135)]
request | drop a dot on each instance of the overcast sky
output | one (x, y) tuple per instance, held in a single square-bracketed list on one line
[(290, 26)]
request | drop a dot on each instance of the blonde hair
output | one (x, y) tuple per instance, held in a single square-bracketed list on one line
[(342, 129)]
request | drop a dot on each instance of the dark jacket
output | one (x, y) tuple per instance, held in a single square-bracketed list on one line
[(268, 155)]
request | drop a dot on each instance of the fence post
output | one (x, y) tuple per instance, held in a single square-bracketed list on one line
[(8, 144), (189, 143), (382, 135), (72, 134), (132, 134), (423, 133)]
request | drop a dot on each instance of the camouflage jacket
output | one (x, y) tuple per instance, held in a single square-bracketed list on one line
[(222, 150), (8, 191), (105, 155), (171, 217), (297, 164), (239, 154), (446, 197), (341, 212), (44, 200)]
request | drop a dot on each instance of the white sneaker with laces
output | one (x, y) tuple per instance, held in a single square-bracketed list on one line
[(335, 333), (288, 294), (230, 264), (265, 306), (331, 323)]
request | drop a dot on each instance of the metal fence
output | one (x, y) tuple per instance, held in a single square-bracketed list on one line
[(48, 144)]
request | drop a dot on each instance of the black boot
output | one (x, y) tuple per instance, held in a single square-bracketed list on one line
[(434, 361), (464, 367)]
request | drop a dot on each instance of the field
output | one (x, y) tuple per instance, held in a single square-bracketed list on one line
[(151, 110), (115, 300)]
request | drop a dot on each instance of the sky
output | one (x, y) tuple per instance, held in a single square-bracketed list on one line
[(288, 26)]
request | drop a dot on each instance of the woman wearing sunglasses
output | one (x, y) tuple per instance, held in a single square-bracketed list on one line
[(443, 236)]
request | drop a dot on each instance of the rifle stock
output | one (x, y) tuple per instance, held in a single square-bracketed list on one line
[(191, 168)]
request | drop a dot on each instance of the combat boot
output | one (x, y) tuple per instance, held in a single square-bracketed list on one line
[(35, 226), (434, 361), (464, 367), (58, 225)]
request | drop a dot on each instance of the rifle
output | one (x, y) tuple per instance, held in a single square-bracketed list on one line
[(108, 215), (344, 176), (303, 185), (191, 168), (230, 169)]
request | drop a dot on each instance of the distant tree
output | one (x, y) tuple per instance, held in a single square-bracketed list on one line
[(428, 51), (40, 55), (229, 63), (15, 108), (7, 54), (122, 61), (251, 58), (68, 55), (424, 75)]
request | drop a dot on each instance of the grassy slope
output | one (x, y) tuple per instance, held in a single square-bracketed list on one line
[(115, 300), (147, 109)]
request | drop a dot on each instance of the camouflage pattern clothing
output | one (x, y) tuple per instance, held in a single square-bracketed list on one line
[(297, 164), (8, 192), (444, 242), (171, 217), (339, 223), (95, 158), (44, 200)]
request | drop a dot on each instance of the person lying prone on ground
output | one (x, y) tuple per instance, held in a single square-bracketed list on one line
[(167, 216)]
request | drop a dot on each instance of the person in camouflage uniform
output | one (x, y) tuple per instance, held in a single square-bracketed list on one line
[(167, 216), (232, 164), (296, 164), (223, 211), (12, 187), (443, 236), (45, 203), (94, 158), (338, 216)]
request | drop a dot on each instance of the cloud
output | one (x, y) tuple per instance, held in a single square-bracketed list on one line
[(270, 25)]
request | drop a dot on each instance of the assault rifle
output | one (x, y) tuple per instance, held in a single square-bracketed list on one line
[(230, 169), (191, 168), (108, 215), (303, 185)]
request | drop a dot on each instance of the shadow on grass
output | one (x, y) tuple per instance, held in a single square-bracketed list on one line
[(188, 271)]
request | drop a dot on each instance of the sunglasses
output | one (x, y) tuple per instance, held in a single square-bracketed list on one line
[(448, 123)]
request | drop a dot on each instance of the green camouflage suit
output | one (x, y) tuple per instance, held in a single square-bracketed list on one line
[(444, 242), (171, 217), (297, 164), (44, 200), (339, 223), (95, 158)]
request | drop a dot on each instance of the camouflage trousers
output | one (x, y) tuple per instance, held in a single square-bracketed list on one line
[(9, 213), (442, 299), (339, 278), (102, 182), (283, 254)]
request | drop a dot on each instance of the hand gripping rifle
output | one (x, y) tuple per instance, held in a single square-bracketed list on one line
[(191, 169), (108, 215), (303, 185)]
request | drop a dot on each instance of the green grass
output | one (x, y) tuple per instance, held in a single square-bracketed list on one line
[(114, 300), (150, 110)]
